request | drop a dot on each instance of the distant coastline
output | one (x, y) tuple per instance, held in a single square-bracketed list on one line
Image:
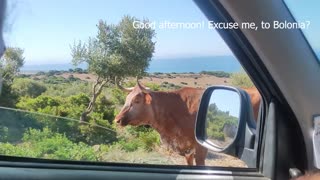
[(178, 65)]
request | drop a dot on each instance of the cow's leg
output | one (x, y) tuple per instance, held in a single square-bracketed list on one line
[(201, 155), (189, 158)]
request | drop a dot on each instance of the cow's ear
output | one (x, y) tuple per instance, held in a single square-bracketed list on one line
[(147, 98)]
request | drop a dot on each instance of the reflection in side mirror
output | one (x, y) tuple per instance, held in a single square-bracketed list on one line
[(224, 122), (222, 118)]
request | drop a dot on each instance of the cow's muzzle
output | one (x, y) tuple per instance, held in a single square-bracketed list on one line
[(121, 120), (122, 117)]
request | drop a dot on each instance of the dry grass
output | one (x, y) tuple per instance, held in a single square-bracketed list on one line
[(140, 156), (190, 80), (164, 157), (213, 159)]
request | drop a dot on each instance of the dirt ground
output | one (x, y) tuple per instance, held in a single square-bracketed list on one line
[(213, 159), (163, 156), (190, 80)]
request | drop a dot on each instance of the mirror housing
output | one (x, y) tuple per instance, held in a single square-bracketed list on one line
[(242, 145)]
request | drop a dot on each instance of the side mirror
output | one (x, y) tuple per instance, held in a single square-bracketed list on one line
[(224, 122)]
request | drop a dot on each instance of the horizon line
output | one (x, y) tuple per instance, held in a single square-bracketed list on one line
[(169, 58)]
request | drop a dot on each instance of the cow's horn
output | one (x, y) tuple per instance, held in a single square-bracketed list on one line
[(122, 88), (143, 89)]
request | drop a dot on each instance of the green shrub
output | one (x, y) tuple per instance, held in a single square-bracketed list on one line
[(27, 87), (79, 70), (118, 96), (53, 72), (153, 86), (68, 89), (241, 79), (129, 146), (23, 150), (216, 73), (149, 140), (99, 130), (39, 103), (4, 132), (40, 73), (47, 144), (158, 73), (133, 138), (79, 99)]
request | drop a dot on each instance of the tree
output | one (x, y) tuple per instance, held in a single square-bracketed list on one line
[(10, 64), (118, 51)]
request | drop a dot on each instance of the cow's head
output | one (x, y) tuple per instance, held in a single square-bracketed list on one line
[(137, 109)]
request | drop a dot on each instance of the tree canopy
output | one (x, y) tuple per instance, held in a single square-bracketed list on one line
[(117, 51), (10, 64)]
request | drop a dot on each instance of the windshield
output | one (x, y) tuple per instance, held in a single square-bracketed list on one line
[(309, 13)]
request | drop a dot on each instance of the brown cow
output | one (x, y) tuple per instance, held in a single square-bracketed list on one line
[(255, 100), (172, 114)]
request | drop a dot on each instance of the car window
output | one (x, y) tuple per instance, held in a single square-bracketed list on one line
[(78, 76), (306, 15)]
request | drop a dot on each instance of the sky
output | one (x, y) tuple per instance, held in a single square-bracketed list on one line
[(308, 11), (45, 29), (226, 101)]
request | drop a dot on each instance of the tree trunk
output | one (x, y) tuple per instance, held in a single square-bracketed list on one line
[(96, 91)]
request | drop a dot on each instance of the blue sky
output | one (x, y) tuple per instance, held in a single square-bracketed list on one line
[(226, 101), (46, 28), (308, 11)]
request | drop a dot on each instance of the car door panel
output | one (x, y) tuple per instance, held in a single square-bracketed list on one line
[(16, 173)]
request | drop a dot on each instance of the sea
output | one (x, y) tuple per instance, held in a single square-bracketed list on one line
[(177, 65)]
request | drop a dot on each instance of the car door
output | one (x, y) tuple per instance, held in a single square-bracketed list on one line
[(281, 104), (271, 156)]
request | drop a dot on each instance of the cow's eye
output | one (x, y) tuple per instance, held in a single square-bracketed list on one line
[(136, 100)]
